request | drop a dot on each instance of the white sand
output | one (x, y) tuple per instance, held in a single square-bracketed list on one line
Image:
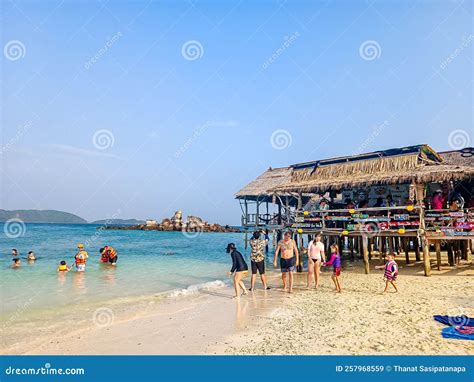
[(358, 321)]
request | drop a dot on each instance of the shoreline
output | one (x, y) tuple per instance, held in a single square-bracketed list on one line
[(311, 322)]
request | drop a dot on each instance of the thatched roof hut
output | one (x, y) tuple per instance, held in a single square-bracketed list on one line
[(464, 157), (259, 187), (412, 164)]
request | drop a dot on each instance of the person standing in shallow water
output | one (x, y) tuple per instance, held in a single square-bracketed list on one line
[(288, 250), (239, 269), (257, 259)]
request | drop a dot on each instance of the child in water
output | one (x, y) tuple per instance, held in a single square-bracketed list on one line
[(335, 261), (31, 256), (63, 267), (16, 263), (390, 273)]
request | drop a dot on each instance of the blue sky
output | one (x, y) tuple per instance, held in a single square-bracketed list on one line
[(186, 129)]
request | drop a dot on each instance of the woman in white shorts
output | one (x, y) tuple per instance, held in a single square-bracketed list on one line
[(315, 259)]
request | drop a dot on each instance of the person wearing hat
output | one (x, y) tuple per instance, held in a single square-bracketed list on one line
[(438, 200), (239, 269), (81, 258)]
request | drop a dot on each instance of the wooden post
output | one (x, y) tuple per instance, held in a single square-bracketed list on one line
[(406, 248), (468, 251), (420, 195), (370, 248), (449, 246), (417, 249), (390, 245), (438, 254), (426, 256), (365, 254), (301, 249)]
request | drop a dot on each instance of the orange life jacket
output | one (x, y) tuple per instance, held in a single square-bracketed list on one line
[(81, 258), (111, 253)]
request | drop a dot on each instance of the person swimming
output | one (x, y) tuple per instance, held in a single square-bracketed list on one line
[(31, 256), (15, 252), (16, 263), (63, 267)]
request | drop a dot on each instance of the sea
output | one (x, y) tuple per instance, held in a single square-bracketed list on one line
[(150, 263)]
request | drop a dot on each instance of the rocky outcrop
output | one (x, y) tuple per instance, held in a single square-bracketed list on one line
[(175, 223)]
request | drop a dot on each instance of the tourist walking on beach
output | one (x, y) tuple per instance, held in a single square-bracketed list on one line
[(81, 258), (390, 273), (257, 259), (335, 261), (288, 250), (239, 269), (315, 258)]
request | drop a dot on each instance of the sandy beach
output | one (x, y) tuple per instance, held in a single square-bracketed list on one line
[(359, 321)]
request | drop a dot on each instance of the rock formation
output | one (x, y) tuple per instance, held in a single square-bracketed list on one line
[(175, 223)]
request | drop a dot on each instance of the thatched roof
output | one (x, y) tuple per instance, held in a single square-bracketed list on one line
[(271, 178), (419, 164), (464, 157)]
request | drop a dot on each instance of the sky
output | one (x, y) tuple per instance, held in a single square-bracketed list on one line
[(138, 109)]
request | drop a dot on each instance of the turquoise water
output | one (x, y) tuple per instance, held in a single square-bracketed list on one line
[(149, 262)]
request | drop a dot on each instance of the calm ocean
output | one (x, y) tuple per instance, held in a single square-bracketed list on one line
[(149, 263)]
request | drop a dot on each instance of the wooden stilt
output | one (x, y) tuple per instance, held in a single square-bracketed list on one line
[(370, 242), (468, 251), (438, 254), (449, 246), (365, 251), (406, 248), (426, 256), (417, 250), (390, 245)]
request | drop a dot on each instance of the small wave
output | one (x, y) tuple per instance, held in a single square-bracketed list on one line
[(197, 288)]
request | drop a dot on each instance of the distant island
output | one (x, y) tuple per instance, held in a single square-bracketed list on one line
[(176, 223), (118, 221), (41, 216)]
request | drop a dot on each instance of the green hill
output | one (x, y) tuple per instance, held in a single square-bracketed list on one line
[(41, 216)]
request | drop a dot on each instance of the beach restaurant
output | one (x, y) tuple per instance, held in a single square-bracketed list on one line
[(378, 202)]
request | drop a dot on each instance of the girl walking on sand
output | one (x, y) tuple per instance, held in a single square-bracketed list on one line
[(390, 273), (335, 261)]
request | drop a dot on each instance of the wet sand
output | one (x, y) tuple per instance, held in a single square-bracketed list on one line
[(359, 321)]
